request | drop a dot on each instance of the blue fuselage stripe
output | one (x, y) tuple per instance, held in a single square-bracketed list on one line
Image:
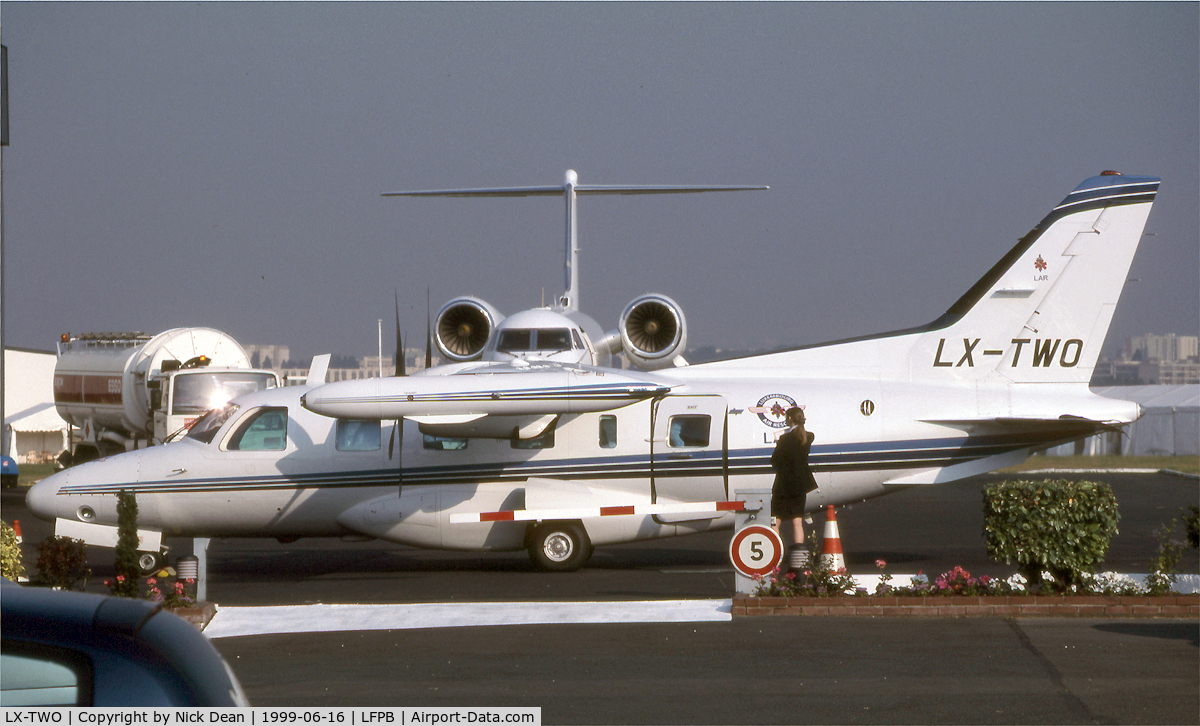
[(830, 458)]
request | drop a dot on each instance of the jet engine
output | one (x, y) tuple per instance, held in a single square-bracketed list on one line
[(462, 328), (653, 331)]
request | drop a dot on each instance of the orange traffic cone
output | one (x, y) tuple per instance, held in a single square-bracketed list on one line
[(17, 531), (831, 544)]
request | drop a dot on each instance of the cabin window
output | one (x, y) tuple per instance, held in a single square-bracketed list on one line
[(207, 426), (356, 435), (689, 430), (443, 443), (608, 432), (263, 430)]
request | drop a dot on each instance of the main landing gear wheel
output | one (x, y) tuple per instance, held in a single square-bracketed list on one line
[(151, 562), (559, 546)]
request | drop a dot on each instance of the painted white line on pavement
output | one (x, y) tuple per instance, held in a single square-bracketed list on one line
[(230, 622)]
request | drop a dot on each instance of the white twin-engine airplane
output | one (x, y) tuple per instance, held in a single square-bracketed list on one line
[(529, 440)]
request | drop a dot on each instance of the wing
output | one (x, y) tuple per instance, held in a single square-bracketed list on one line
[(468, 393)]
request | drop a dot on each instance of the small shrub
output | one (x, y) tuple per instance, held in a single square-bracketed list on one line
[(1164, 568), (11, 566), (1055, 531), (126, 582), (62, 562)]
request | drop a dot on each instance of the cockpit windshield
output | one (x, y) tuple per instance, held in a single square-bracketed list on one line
[(206, 428), (522, 340)]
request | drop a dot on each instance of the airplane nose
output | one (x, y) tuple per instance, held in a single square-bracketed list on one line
[(42, 496)]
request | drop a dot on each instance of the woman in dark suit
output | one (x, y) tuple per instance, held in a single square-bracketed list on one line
[(793, 481)]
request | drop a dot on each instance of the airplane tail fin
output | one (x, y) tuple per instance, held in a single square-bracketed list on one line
[(1040, 315)]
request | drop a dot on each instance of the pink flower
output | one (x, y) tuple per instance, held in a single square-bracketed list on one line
[(880, 564)]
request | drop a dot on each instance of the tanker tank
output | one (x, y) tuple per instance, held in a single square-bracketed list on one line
[(127, 390)]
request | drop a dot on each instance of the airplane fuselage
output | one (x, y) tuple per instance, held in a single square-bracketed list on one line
[(709, 438)]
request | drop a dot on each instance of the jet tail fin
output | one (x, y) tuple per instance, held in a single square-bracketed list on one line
[(1041, 314)]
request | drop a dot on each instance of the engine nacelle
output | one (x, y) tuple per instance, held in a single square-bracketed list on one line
[(653, 331), (462, 328)]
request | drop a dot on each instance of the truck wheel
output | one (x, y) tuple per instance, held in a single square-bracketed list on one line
[(559, 546), (151, 562)]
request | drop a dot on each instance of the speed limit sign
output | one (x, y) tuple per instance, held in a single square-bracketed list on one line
[(755, 550)]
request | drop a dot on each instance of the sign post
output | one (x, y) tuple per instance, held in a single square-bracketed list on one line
[(756, 548)]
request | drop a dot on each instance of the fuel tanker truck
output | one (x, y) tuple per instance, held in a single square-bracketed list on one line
[(130, 390)]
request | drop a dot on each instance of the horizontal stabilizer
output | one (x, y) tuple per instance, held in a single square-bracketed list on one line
[(943, 474), (1075, 425)]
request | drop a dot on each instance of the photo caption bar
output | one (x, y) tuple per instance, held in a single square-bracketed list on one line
[(255, 716)]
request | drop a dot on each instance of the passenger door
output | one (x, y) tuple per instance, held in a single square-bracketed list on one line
[(689, 451)]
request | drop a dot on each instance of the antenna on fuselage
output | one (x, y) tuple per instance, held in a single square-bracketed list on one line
[(570, 189)]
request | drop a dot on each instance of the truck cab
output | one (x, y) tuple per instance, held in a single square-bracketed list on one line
[(179, 397)]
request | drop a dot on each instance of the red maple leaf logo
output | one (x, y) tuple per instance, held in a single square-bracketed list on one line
[(1040, 264)]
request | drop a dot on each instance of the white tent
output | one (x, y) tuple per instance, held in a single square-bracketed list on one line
[(1169, 426), (33, 430)]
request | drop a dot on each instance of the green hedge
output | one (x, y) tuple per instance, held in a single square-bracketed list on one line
[(1060, 527)]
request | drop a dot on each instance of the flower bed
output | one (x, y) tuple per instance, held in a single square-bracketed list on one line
[(968, 606)]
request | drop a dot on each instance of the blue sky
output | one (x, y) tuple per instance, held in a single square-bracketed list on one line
[(221, 164)]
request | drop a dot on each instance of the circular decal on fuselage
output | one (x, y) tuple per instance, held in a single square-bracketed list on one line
[(772, 407)]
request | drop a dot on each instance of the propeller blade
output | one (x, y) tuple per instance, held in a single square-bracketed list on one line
[(428, 334), (400, 364)]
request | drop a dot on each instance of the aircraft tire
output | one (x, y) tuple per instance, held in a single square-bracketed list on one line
[(559, 546), (151, 562)]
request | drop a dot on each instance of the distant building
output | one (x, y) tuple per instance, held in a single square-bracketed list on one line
[(1168, 348), (268, 356), (349, 368), (1149, 360)]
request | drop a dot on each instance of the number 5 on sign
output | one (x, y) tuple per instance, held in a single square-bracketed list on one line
[(755, 550)]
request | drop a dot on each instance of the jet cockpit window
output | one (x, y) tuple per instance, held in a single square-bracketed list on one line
[(263, 430), (206, 428), (516, 340), (689, 430), (521, 340), (355, 435), (554, 339)]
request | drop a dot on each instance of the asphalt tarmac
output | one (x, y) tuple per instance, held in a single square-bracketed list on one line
[(750, 670)]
